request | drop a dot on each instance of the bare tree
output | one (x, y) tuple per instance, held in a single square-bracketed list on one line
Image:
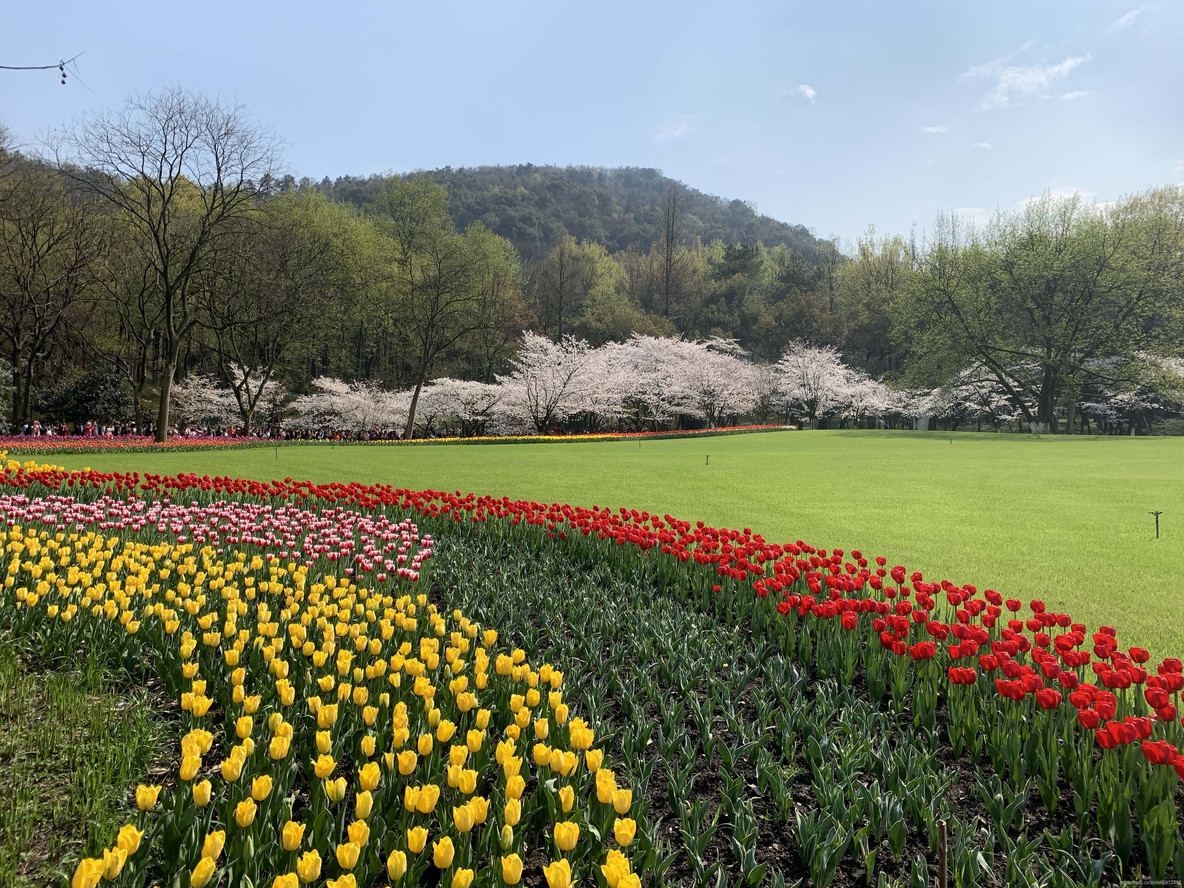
[(669, 247), (180, 172)]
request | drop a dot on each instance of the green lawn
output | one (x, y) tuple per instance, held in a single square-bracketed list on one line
[(1062, 519)]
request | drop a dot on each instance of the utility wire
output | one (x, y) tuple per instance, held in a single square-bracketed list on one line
[(61, 66)]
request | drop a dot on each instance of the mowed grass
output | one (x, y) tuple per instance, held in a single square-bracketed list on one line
[(1063, 519)]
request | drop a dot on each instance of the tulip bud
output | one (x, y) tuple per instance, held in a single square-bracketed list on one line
[(622, 799), (462, 878), (567, 798), (261, 787), (506, 837)]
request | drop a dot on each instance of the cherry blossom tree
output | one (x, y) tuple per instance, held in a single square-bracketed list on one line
[(356, 406), (811, 380), (201, 400), (546, 385)]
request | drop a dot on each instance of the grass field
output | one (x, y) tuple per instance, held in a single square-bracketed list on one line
[(1061, 519)]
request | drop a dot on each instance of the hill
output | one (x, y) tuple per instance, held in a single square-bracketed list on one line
[(531, 205)]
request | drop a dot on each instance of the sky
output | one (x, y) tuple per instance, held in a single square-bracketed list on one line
[(833, 116)]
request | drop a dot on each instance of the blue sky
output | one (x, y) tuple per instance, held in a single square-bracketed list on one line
[(835, 116)]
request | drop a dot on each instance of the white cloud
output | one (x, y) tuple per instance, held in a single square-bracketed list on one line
[(806, 90), (1013, 82), (1076, 94), (1127, 20), (986, 146), (940, 128), (673, 130)]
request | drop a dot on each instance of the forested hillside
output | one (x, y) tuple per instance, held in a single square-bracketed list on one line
[(532, 205)]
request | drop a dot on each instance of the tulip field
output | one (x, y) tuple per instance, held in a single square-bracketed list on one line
[(364, 685)]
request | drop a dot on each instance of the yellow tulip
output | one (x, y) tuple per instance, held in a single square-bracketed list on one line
[(629, 880), (347, 855), (368, 744), (558, 874), (462, 878), (244, 726), (202, 873), (445, 731), (261, 787), (324, 766), (113, 861), (542, 728), (480, 806), (623, 830), (346, 881), (293, 835), (359, 832), (428, 797), (368, 776), (146, 797), (363, 804), (462, 817), (88, 873), (417, 839), (324, 742), (425, 744), (594, 758), (232, 768), (442, 853), (190, 765), (468, 781), (512, 869), (335, 789), (129, 838), (287, 880), (279, 746), (606, 784), (567, 798), (244, 813), (396, 865), (567, 833), (213, 844), (622, 799), (201, 793), (308, 867), (614, 867), (515, 786)]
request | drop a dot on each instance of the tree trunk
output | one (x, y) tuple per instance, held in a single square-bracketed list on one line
[(166, 391)]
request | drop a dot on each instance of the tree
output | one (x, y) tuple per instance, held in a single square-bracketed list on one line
[(670, 249), (1043, 294), (435, 291), (50, 243), (179, 171), (267, 293), (812, 379), (566, 280), (547, 382)]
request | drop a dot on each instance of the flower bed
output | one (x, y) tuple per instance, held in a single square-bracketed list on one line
[(1086, 723)]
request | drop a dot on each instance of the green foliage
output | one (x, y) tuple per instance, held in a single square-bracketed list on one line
[(101, 396)]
